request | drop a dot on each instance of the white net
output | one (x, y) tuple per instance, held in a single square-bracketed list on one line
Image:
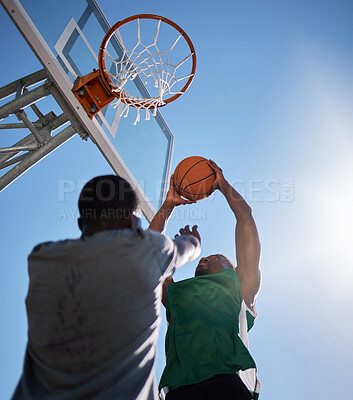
[(156, 68)]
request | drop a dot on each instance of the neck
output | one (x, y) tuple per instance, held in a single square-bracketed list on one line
[(89, 229)]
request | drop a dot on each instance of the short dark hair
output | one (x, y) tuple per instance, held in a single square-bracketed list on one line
[(105, 196), (231, 265)]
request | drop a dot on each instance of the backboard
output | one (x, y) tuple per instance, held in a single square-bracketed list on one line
[(66, 35)]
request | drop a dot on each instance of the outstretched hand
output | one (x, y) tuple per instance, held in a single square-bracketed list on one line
[(219, 175), (186, 231), (174, 198)]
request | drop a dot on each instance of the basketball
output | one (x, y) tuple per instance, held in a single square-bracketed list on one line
[(193, 178)]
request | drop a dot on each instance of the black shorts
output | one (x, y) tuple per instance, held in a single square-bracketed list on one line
[(219, 387)]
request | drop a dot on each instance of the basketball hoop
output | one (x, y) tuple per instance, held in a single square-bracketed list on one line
[(145, 60), (165, 63)]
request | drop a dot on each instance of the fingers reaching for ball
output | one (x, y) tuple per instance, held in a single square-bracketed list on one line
[(214, 166), (193, 232), (173, 197), (219, 175)]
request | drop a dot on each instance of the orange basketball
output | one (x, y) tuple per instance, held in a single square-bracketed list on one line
[(193, 178)]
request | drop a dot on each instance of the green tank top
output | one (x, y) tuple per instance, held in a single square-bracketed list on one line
[(203, 337)]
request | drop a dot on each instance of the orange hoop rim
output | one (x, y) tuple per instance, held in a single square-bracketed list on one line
[(101, 59)]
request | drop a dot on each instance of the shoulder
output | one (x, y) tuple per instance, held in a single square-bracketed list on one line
[(226, 283), (220, 290), (159, 240), (39, 246), (53, 248), (227, 279), (46, 245)]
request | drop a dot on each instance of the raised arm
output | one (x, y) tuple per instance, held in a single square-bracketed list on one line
[(247, 243), (160, 220), (186, 239)]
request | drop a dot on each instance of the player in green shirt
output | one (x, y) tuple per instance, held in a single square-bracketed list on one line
[(209, 317)]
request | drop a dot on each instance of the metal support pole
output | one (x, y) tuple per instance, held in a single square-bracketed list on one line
[(24, 101), (14, 125), (57, 123), (28, 81), (34, 147), (22, 116), (12, 161), (17, 149), (26, 141), (34, 157), (29, 140), (20, 89), (37, 111)]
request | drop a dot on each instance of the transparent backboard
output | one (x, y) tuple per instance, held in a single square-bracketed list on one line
[(66, 36)]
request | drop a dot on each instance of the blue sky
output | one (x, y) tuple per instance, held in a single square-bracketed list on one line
[(272, 105)]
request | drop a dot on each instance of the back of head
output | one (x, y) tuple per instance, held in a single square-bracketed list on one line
[(107, 198)]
